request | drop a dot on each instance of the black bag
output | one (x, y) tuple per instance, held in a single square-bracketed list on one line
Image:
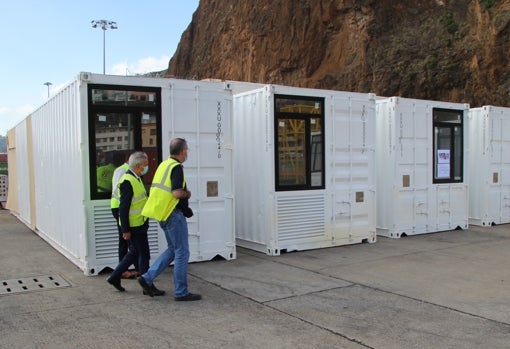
[(187, 211)]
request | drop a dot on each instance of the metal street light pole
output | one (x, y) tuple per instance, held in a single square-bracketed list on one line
[(48, 84), (104, 25)]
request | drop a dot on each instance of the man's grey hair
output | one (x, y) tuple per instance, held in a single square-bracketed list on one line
[(177, 145), (136, 159)]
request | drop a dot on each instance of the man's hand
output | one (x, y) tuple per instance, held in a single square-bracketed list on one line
[(181, 194), (126, 236)]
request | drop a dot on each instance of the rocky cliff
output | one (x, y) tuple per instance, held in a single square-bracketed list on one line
[(441, 50)]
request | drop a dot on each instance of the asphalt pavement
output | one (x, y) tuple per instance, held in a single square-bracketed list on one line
[(441, 290)]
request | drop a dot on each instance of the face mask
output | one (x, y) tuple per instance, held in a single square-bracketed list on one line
[(145, 170)]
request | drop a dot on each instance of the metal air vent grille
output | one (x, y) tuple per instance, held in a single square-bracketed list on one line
[(106, 236), (300, 217)]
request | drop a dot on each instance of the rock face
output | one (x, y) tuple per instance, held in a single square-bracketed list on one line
[(454, 50)]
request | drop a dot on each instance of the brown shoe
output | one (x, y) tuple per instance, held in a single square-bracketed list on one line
[(127, 275)]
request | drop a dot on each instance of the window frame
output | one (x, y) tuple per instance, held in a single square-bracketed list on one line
[(456, 155), (94, 109), (308, 142)]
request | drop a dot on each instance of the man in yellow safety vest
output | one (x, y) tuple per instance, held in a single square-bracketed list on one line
[(134, 225), (168, 204), (114, 205)]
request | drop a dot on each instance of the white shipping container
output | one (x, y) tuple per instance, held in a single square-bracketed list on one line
[(489, 165), (420, 166), (96, 118), (304, 168)]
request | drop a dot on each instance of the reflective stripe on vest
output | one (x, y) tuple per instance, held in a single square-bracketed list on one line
[(115, 200), (138, 201), (162, 202)]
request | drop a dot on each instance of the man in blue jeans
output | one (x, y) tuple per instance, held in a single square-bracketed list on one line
[(168, 204)]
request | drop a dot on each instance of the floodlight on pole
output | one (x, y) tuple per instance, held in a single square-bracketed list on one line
[(104, 25), (48, 84)]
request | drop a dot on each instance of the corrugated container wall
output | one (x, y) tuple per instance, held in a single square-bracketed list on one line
[(489, 165), (319, 191), (420, 165), (58, 147), (56, 170)]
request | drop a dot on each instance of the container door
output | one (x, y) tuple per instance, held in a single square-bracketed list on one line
[(353, 139), (202, 114), (412, 216)]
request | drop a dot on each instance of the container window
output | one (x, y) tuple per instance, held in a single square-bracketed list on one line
[(117, 130), (299, 148), (448, 145)]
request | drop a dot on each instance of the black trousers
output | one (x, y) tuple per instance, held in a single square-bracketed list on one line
[(123, 244), (138, 251)]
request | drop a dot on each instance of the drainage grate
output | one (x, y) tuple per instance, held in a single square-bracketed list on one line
[(30, 284)]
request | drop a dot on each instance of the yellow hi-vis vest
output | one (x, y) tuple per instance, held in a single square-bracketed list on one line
[(138, 201), (115, 200), (162, 202)]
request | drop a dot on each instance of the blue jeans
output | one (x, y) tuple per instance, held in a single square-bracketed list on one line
[(176, 233)]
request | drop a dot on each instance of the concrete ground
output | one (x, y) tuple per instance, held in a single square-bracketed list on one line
[(443, 290)]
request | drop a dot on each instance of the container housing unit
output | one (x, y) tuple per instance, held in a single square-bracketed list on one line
[(64, 154), (421, 185), (489, 165), (304, 168)]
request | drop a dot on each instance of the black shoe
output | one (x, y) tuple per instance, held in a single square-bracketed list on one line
[(116, 284), (188, 297), (146, 288), (155, 291)]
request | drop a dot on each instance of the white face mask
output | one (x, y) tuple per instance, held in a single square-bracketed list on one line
[(145, 170)]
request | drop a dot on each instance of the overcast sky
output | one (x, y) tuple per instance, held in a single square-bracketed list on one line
[(53, 41)]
